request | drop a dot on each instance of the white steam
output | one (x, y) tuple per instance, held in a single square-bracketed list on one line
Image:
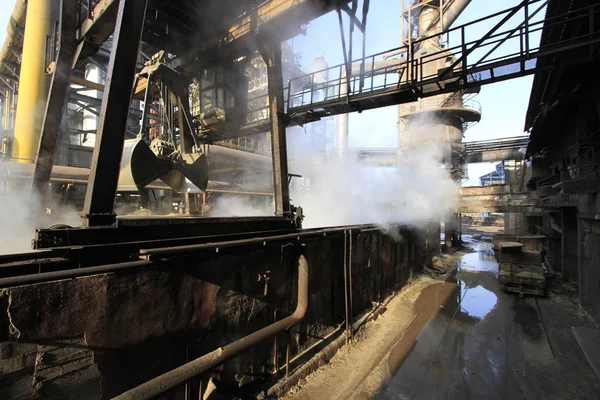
[(344, 192), (242, 206), (22, 213)]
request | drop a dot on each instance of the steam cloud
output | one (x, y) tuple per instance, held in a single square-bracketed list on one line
[(351, 191), (334, 192), (20, 219)]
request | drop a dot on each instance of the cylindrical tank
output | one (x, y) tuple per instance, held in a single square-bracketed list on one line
[(430, 127), (427, 18), (32, 82), (321, 67)]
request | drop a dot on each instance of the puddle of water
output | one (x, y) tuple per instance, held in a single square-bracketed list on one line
[(477, 301), (483, 260)]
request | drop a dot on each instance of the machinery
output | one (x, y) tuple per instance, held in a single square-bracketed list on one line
[(176, 283), (168, 146)]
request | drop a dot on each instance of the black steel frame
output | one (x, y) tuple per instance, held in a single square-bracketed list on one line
[(98, 209)]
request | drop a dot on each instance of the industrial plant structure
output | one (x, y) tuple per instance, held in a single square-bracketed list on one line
[(141, 118)]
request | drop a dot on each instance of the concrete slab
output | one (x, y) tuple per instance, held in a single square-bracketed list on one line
[(589, 342)]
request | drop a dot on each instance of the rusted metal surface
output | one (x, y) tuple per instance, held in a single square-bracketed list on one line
[(201, 300), (217, 357), (271, 53), (70, 273)]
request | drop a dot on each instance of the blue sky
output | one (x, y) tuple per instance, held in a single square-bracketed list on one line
[(504, 104), (5, 12)]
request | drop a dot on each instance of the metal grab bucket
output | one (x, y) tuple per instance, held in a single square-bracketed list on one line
[(140, 166)]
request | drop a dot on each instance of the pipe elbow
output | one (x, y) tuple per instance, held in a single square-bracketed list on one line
[(302, 305)]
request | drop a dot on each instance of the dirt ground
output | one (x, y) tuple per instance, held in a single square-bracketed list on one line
[(463, 338)]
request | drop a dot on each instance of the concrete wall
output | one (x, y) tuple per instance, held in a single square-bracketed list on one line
[(97, 336)]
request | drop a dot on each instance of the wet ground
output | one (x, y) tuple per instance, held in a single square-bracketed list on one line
[(471, 340), (462, 337)]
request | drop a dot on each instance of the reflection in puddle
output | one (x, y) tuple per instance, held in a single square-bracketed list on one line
[(476, 301), (473, 276), (483, 260)]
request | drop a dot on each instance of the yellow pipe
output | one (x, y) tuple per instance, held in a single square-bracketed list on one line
[(32, 81)]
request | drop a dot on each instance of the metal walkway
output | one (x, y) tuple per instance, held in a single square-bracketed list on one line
[(408, 77), (512, 143)]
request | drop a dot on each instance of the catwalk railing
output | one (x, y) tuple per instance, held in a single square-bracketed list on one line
[(512, 143), (510, 49)]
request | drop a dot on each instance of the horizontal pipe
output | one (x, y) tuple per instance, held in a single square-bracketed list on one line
[(166, 251), (495, 155), (79, 272), (78, 176), (157, 186), (249, 193), (219, 356), (70, 273)]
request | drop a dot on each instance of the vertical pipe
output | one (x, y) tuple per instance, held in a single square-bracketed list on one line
[(342, 136), (380, 264), (346, 286), (350, 285), (275, 347), (188, 386), (56, 103), (209, 361), (32, 82), (288, 353)]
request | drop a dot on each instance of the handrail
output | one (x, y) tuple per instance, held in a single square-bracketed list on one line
[(415, 71)]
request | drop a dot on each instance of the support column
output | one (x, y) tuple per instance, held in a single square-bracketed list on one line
[(98, 208), (569, 243), (341, 142), (451, 230), (32, 82), (271, 53), (57, 98), (583, 268)]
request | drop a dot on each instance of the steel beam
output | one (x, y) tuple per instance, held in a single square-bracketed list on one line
[(93, 32), (57, 98), (271, 53), (98, 208)]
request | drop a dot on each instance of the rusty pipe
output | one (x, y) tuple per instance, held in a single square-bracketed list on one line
[(495, 155), (207, 362), (71, 273)]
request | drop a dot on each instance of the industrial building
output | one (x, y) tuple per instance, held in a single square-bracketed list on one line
[(185, 217)]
